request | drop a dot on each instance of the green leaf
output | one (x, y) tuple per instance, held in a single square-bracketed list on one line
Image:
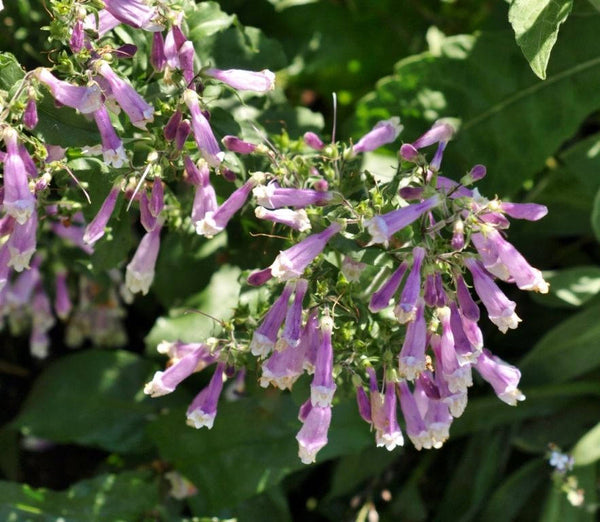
[(281, 5), (536, 24), (206, 19), (251, 447), (571, 287), (91, 398), (568, 350), (11, 72), (508, 499), (204, 311), (503, 110), (126, 496), (488, 412), (596, 216), (587, 450), (473, 478)]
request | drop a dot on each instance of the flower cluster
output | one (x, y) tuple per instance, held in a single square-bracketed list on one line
[(421, 297), (374, 292)]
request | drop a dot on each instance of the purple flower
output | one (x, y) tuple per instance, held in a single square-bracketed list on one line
[(260, 277), (458, 377), (205, 198), (311, 338), (296, 219), (22, 243), (313, 434), (283, 368), (62, 301), (170, 129), (183, 131), (186, 61), (265, 336), (503, 377), (415, 425), (382, 133), (147, 220), (411, 360), (467, 305), (381, 298), (388, 433), (322, 387), (157, 56), (112, 146), (140, 270), (18, 200), (501, 310), (214, 222), (165, 382), (293, 318), (95, 230), (525, 276), (405, 310), (139, 112), (4, 268), (475, 174), (292, 262), (364, 404), (135, 13), (104, 22), (529, 211), (77, 39), (440, 132), (272, 196), (157, 203), (203, 409), (235, 144), (262, 81), (458, 235), (313, 141), (173, 42), (205, 139), (466, 352), (435, 414), (383, 227), (85, 99), (30, 115)]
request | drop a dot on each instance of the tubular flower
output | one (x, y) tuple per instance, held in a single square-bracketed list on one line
[(265, 336), (140, 270), (312, 437), (214, 222), (140, 113), (262, 81), (296, 219), (503, 377), (383, 227), (85, 99), (95, 230), (272, 196), (18, 200), (205, 139), (292, 262), (382, 133), (322, 387), (405, 310), (135, 13), (112, 146), (203, 409)]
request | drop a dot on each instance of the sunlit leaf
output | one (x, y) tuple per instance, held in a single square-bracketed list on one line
[(536, 24)]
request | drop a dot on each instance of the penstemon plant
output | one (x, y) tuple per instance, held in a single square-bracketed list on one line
[(375, 290)]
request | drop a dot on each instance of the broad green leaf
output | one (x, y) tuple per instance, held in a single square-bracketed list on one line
[(11, 72), (506, 501), (473, 477), (536, 24), (510, 121), (488, 412), (206, 19), (281, 5), (562, 427), (123, 497), (201, 316), (251, 447), (571, 287), (587, 450), (568, 350), (596, 216), (91, 398)]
